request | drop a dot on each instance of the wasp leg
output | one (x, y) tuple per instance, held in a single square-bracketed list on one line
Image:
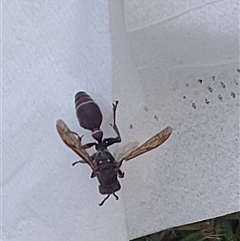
[(120, 173), (93, 174), (114, 125), (88, 145), (119, 164), (115, 196), (80, 161), (85, 146), (103, 201), (76, 134)]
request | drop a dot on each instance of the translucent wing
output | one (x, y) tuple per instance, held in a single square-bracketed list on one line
[(73, 141), (125, 150), (149, 145)]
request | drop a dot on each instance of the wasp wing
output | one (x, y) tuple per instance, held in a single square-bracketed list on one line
[(73, 141), (149, 145), (125, 150)]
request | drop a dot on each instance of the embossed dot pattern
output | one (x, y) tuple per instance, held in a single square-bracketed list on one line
[(210, 89), (233, 94), (216, 90), (220, 97)]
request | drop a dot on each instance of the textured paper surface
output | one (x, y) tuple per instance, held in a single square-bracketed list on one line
[(187, 59), (51, 51)]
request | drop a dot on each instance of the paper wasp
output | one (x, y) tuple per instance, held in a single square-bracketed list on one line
[(104, 166)]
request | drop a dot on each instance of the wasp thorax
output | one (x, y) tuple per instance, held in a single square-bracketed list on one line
[(88, 114)]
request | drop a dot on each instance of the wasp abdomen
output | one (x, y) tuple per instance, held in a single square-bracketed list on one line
[(88, 114)]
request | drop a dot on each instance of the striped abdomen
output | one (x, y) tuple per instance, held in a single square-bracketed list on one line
[(89, 115)]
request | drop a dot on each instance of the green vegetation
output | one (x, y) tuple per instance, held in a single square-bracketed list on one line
[(226, 228)]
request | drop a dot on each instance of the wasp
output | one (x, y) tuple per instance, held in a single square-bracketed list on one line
[(103, 164)]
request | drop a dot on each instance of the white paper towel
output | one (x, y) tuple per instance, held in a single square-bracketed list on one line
[(53, 50)]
